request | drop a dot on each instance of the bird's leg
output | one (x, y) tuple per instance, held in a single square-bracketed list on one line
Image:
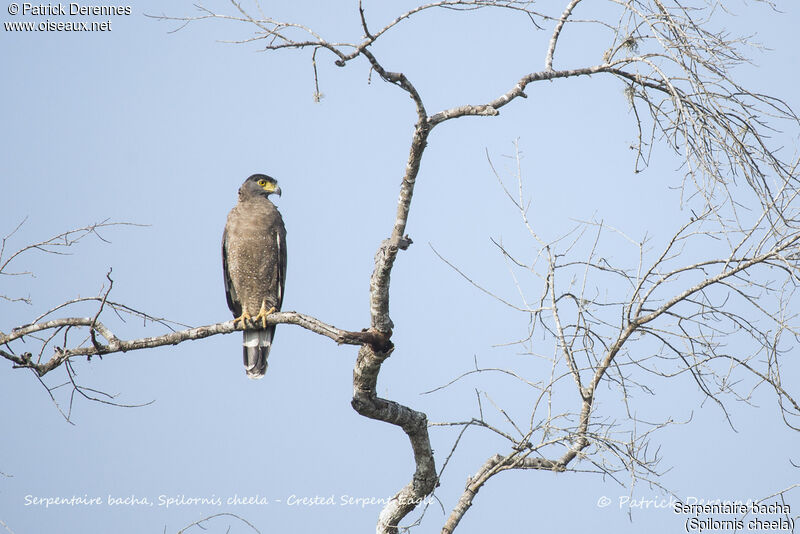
[(244, 317), (262, 314)]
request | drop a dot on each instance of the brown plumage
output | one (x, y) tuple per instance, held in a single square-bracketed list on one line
[(254, 266)]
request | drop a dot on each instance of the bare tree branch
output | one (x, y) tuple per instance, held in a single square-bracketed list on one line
[(113, 344), (672, 300)]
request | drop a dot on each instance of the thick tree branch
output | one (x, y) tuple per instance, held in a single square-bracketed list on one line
[(368, 365), (414, 424), (387, 252), (491, 467), (551, 48), (518, 91), (113, 344)]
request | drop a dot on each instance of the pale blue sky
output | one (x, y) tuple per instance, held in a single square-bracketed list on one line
[(159, 128)]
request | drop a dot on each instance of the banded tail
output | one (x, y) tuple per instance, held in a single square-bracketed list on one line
[(255, 349)]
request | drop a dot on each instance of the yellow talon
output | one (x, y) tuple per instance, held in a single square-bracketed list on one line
[(262, 314), (244, 317)]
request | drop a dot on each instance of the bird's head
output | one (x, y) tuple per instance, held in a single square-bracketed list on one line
[(259, 185)]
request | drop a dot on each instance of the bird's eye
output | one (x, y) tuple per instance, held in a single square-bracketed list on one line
[(262, 183)]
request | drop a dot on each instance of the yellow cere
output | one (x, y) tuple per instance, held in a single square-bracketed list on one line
[(267, 186)]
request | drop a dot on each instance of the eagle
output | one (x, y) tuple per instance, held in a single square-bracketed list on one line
[(254, 267)]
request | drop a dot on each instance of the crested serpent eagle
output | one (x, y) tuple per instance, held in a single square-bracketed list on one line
[(254, 267)]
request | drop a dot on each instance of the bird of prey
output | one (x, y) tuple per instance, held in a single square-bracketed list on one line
[(254, 266)]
